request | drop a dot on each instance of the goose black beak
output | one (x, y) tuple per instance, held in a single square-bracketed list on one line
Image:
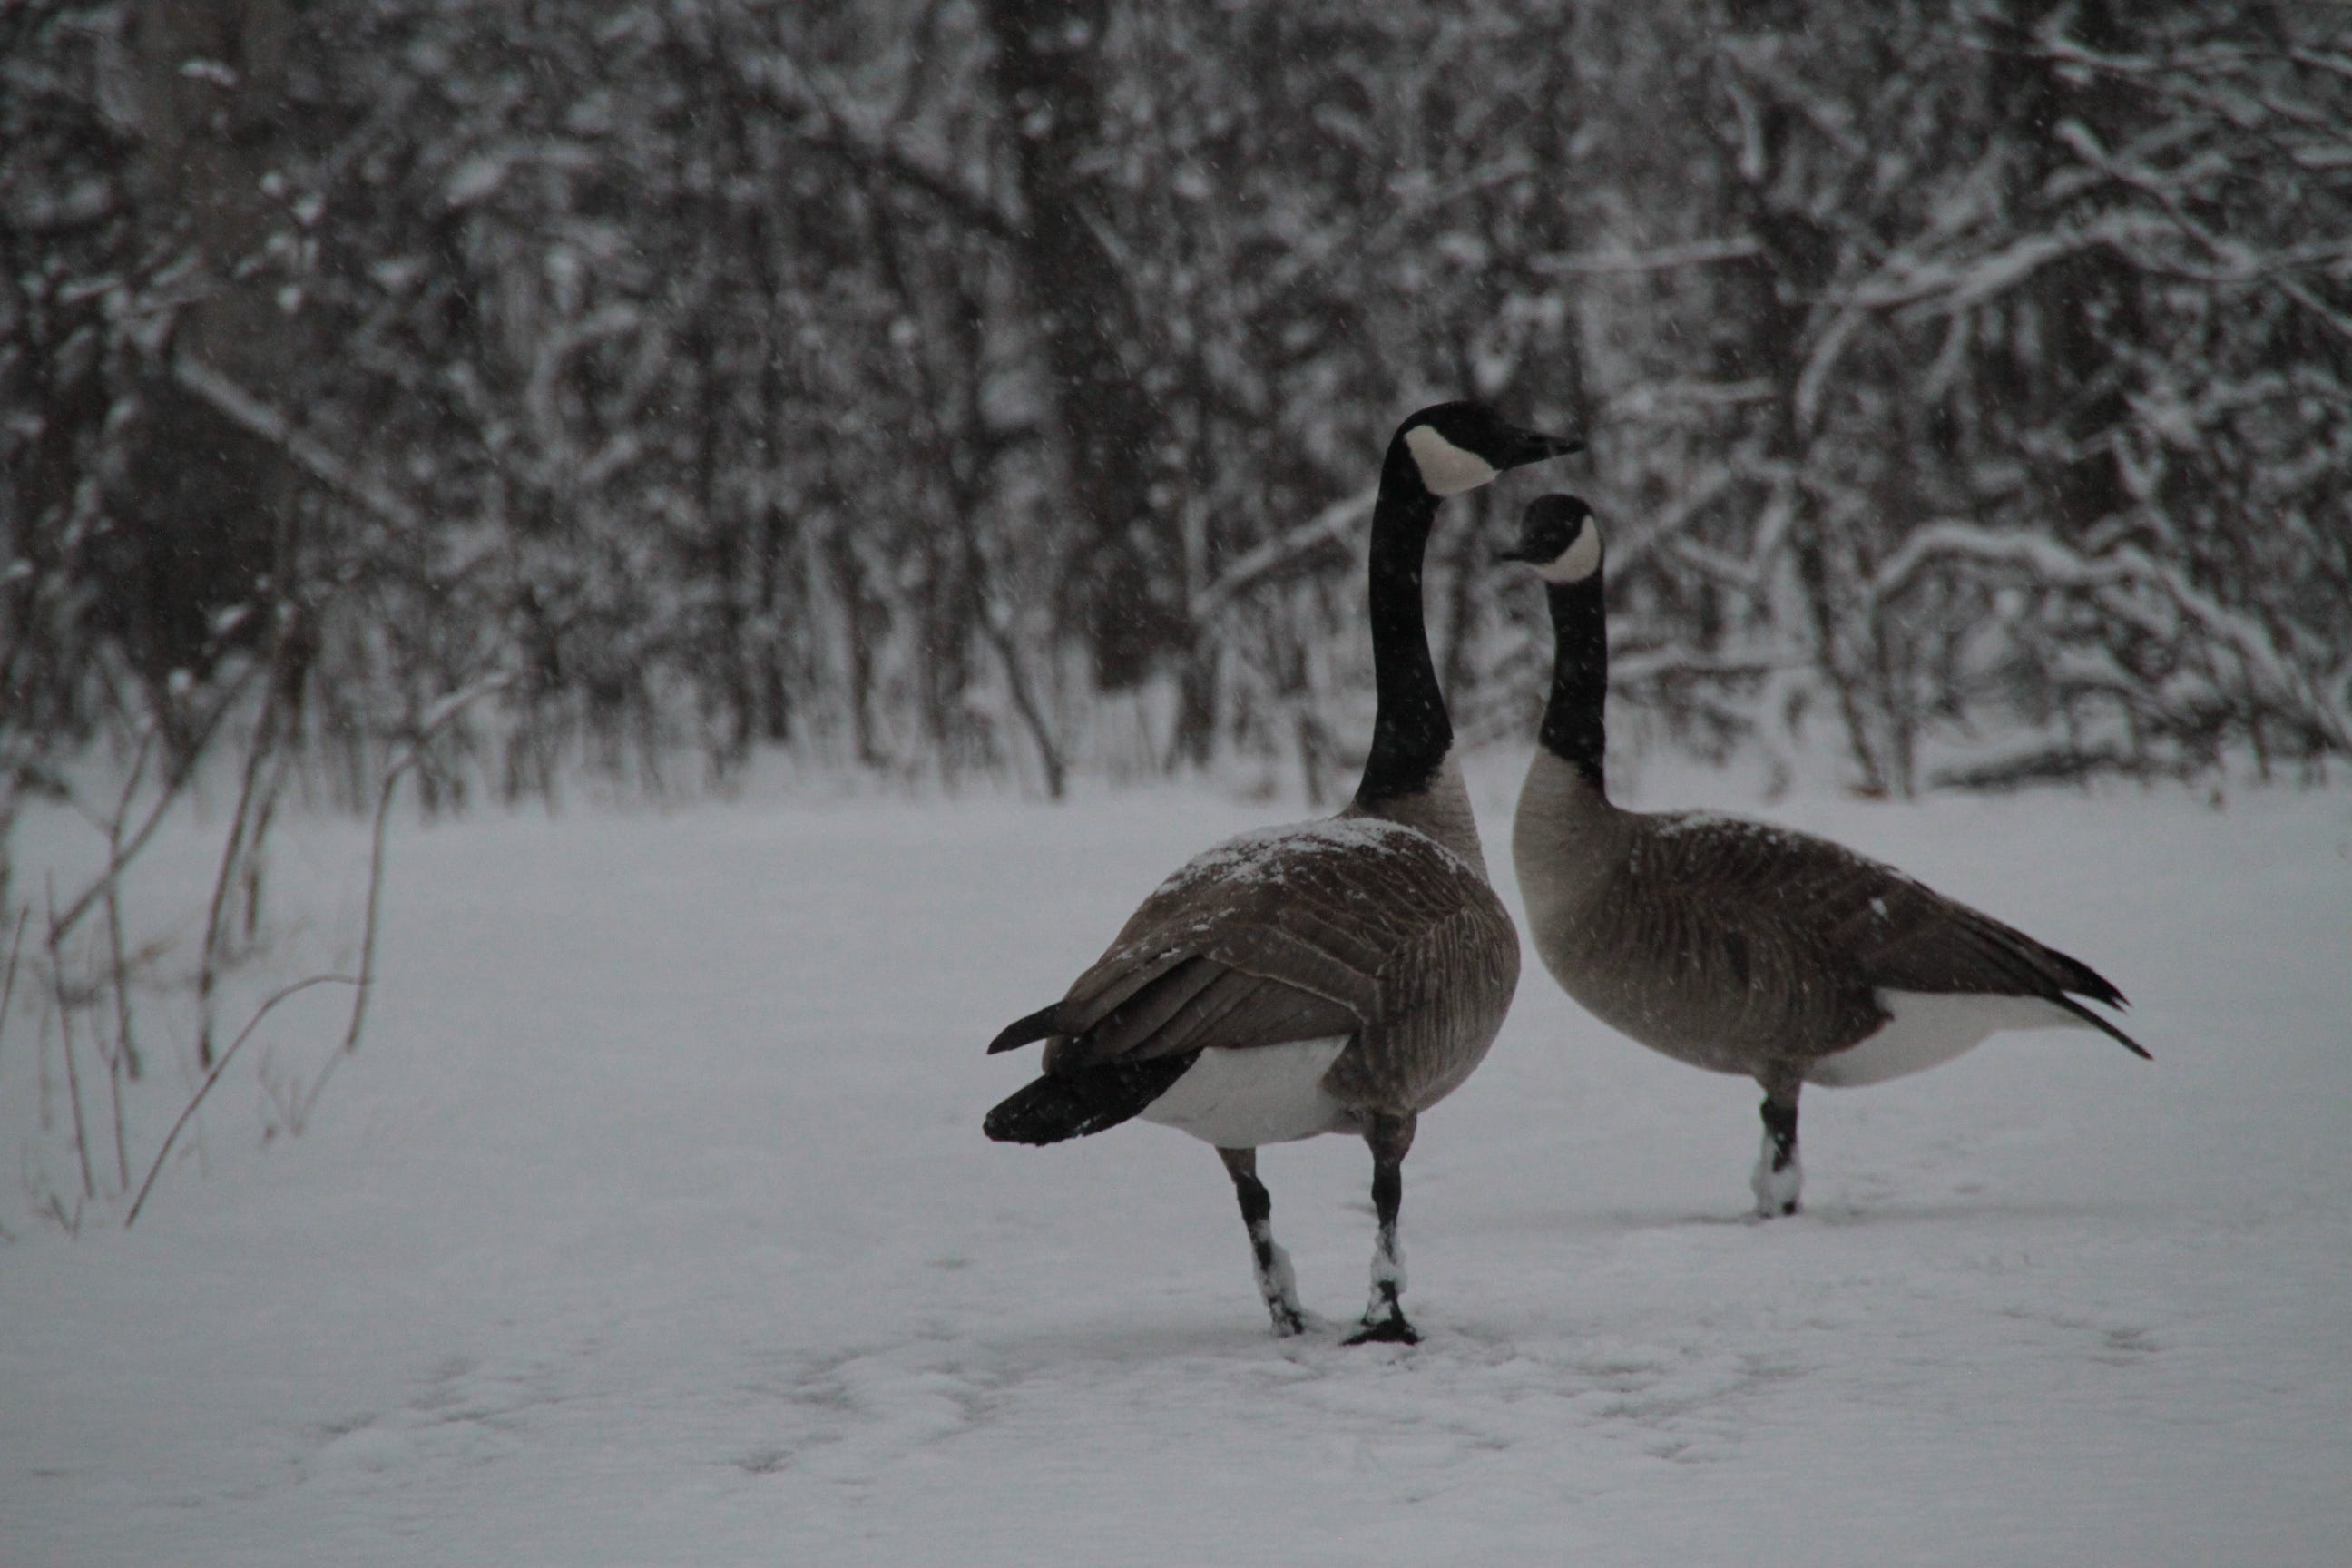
[(1533, 446)]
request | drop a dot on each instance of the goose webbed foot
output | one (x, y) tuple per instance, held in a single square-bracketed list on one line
[(1388, 1332), (1778, 1179), (1384, 1323)]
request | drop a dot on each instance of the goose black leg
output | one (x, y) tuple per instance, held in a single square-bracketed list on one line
[(1778, 1178), (1390, 1137), (1276, 1282)]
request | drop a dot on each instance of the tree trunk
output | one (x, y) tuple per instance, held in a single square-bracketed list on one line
[(1044, 72), (207, 505)]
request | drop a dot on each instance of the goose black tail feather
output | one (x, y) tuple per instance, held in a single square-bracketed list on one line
[(2082, 980), (2134, 1047), (1054, 1109), (1026, 1030)]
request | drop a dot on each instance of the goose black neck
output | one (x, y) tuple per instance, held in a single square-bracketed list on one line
[(1410, 734), (1573, 727)]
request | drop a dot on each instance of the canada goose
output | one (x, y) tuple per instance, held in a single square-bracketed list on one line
[(1333, 976), (1739, 947)]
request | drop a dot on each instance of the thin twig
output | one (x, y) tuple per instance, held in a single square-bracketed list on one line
[(114, 1091), (65, 1029), (125, 1056), (435, 718), (128, 1047), (174, 780), (1599, 263), (377, 837), (213, 1077), (8, 986), (259, 418), (209, 960), (1335, 523)]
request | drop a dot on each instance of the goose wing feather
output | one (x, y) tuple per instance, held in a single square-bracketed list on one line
[(1854, 915), (1443, 996), (1293, 934)]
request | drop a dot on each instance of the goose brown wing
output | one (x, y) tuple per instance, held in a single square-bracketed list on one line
[(1857, 916), (1270, 938)]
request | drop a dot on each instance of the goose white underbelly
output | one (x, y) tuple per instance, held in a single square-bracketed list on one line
[(1929, 1028), (1266, 1094)]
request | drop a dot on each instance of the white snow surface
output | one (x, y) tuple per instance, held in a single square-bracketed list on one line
[(653, 1223)]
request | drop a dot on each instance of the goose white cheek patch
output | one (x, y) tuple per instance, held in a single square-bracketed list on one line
[(1577, 562), (1445, 469)]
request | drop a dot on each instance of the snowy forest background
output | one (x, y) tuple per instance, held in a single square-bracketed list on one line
[(993, 387), (449, 403)]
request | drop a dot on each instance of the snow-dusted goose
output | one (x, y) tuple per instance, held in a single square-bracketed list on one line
[(1333, 976), (1739, 947)]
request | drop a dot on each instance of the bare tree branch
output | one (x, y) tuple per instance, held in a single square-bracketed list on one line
[(213, 1077)]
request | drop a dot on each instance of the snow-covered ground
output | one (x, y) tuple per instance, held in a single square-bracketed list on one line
[(653, 1224)]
